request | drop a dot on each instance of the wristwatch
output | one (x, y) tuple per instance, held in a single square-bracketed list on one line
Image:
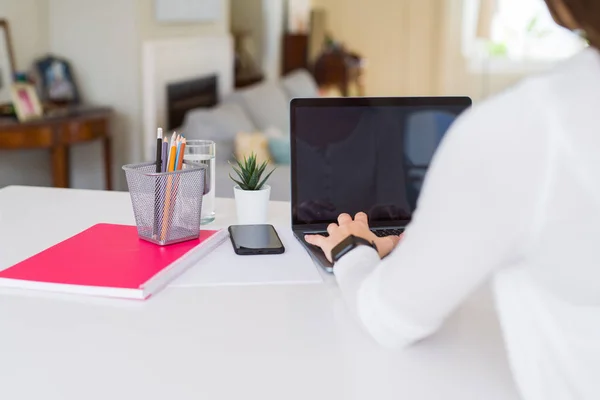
[(348, 244)]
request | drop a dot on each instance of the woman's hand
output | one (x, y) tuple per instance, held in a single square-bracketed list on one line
[(346, 226)]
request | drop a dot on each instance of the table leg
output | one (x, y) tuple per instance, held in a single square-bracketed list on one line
[(60, 166), (108, 162)]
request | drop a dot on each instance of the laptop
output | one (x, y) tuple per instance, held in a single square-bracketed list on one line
[(363, 154)]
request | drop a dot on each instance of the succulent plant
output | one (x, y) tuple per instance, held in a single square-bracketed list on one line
[(249, 173)]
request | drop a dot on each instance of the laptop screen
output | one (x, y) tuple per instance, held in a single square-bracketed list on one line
[(371, 155)]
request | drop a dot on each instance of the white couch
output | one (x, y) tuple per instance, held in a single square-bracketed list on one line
[(257, 108)]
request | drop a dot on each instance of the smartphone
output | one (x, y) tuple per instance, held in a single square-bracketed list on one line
[(255, 239)]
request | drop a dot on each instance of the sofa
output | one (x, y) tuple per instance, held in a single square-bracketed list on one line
[(261, 108)]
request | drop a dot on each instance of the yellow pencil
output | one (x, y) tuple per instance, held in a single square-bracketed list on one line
[(181, 153), (170, 168)]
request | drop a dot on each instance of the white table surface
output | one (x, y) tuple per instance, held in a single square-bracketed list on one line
[(260, 342)]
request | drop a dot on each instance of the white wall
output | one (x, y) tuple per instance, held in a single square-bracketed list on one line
[(29, 41), (28, 20), (103, 41), (395, 37), (265, 20), (412, 47), (247, 15), (100, 39)]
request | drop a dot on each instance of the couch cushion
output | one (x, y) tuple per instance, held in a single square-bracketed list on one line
[(267, 105), (247, 143), (280, 150), (299, 83), (219, 124)]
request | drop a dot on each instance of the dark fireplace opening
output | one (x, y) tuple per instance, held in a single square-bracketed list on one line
[(186, 95)]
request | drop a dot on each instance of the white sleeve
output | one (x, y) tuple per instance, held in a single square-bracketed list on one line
[(474, 215)]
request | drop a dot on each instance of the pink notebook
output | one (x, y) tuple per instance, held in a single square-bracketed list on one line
[(109, 260)]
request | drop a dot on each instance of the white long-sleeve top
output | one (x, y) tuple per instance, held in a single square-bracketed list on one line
[(512, 195)]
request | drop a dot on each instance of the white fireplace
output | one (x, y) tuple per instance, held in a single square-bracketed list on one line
[(173, 60)]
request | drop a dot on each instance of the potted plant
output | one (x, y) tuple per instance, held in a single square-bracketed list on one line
[(251, 192)]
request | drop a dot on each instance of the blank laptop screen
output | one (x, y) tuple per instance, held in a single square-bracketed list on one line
[(371, 158)]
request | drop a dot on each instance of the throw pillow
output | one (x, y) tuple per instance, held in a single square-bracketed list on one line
[(279, 146), (247, 143), (280, 150)]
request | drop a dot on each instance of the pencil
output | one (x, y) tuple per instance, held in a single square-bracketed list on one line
[(172, 155), (159, 141), (174, 181), (158, 167), (180, 155), (169, 144), (165, 152), (170, 168)]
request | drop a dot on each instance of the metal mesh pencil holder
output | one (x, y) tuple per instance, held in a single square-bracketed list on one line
[(168, 205)]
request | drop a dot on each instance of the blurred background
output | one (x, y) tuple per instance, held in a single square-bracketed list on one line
[(225, 70)]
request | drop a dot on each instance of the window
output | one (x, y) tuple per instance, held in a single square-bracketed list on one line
[(519, 31)]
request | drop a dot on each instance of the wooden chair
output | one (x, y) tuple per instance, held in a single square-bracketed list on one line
[(341, 70)]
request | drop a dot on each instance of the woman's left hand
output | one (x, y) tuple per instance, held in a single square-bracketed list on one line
[(346, 226)]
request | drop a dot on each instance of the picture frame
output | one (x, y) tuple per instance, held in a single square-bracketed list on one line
[(7, 63), (26, 102), (186, 11), (56, 82)]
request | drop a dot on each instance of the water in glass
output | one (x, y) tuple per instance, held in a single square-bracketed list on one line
[(203, 152)]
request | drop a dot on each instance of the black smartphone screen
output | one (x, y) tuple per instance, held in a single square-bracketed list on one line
[(255, 239)]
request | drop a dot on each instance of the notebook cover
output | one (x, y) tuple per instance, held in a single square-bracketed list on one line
[(105, 255)]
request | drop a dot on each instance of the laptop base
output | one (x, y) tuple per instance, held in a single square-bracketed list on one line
[(317, 254)]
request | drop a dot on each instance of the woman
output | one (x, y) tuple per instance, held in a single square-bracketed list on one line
[(513, 194)]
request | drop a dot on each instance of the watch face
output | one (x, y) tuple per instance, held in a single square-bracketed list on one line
[(348, 244), (343, 247)]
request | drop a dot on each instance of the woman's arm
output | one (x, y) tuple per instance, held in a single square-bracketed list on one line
[(475, 214)]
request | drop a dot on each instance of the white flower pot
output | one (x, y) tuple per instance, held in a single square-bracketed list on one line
[(252, 205)]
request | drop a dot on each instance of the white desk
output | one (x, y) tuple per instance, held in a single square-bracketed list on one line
[(258, 342)]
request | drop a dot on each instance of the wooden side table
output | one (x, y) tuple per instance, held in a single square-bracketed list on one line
[(57, 132), (340, 69)]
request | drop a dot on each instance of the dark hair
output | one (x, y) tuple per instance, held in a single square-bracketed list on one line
[(587, 15)]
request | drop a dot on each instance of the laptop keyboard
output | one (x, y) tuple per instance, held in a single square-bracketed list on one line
[(387, 232), (380, 232)]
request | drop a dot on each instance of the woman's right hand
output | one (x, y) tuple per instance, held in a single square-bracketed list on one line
[(346, 226)]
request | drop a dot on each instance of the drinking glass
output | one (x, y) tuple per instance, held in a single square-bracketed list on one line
[(203, 152)]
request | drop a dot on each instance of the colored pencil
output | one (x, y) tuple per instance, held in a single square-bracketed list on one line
[(181, 154), (170, 168), (172, 154), (165, 153)]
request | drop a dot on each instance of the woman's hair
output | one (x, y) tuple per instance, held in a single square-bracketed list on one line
[(587, 15)]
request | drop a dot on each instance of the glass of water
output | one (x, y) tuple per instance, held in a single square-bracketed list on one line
[(203, 152)]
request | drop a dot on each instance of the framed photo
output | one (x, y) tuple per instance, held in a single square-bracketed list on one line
[(7, 64), (26, 102), (56, 82), (187, 11)]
